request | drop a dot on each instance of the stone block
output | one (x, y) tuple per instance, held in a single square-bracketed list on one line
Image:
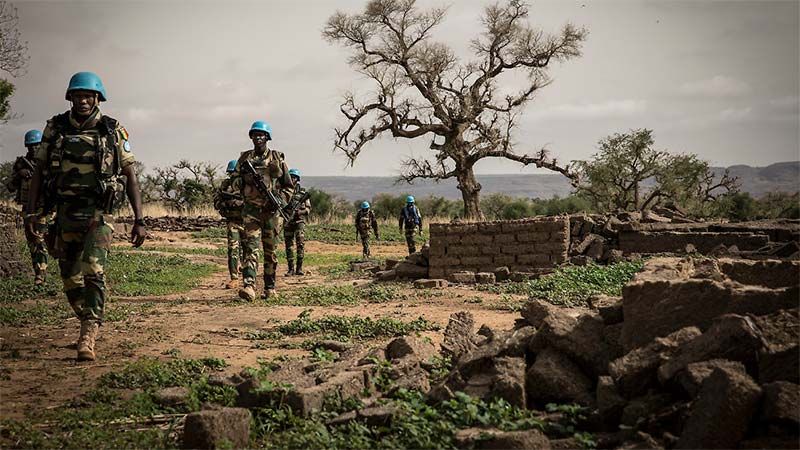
[(484, 278), (476, 239), (436, 272), (489, 228), (538, 236), (501, 273), (477, 261), (219, 428), (781, 404), (504, 239), (534, 260), (504, 260), (691, 378), (464, 277), (554, 378), (434, 283), (410, 346)]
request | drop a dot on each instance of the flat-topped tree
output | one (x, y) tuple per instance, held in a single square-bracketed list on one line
[(423, 88)]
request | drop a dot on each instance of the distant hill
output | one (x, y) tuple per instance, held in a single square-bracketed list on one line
[(783, 176)]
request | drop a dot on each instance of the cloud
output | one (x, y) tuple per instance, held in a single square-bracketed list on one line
[(611, 108), (718, 86), (790, 103), (735, 114)]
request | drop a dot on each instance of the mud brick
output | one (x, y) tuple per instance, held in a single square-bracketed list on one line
[(476, 260), (559, 236), (450, 239), (538, 236), (438, 250), (534, 259), (436, 272), (465, 228), (489, 228), (446, 261), (477, 239), (551, 247), (516, 226), (558, 258), (491, 250), (504, 260), (504, 238), (439, 229), (519, 249)]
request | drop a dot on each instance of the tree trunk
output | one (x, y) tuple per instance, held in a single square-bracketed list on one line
[(470, 193)]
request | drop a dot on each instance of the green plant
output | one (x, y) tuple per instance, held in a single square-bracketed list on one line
[(321, 355), (353, 327), (149, 372)]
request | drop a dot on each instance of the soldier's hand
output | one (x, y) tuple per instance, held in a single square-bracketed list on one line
[(138, 234), (25, 173)]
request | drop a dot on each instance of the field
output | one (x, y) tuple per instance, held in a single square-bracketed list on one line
[(170, 322)]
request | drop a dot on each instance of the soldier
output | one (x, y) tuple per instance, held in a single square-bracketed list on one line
[(82, 159), (260, 216), (228, 202), (410, 218), (299, 207), (365, 219), (21, 174)]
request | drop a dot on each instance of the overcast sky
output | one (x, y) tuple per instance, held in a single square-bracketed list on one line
[(186, 78)]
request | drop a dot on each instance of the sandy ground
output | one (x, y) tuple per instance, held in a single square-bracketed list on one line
[(38, 363)]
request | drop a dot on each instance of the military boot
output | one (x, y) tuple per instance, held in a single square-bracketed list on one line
[(233, 284), (86, 340), (269, 286), (247, 292), (299, 270), (290, 263)]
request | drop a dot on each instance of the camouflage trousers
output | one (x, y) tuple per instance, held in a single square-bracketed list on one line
[(83, 255), (36, 245), (235, 231), (263, 226), (364, 235), (294, 232), (412, 245)]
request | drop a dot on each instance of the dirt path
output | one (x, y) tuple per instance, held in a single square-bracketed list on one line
[(38, 366)]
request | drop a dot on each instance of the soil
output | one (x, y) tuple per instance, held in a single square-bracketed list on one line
[(39, 370)]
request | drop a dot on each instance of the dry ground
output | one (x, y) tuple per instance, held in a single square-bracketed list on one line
[(38, 366)]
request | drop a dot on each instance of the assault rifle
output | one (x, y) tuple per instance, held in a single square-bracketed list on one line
[(275, 202), (295, 202)]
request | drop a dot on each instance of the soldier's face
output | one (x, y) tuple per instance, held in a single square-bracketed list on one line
[(259, 138), (83, 102)]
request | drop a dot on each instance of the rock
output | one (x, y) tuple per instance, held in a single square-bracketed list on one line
[(778, 360), (519, 277), (640, 440), (407, 373), (579, 260), (411, 271), (464, 277), (425, 251), (535, 311), (334, 346), (579, 338), (386, 275), (305, 401), (219, 428), (770, 442), (411, 346), (596, 250), (391, 263), (584, 245), (691, 378), (614, 256), (610, 308), (509, 381), (172, 396), (430, 284), (635, 372), (493, 439), (641, 408), (781, 404), (484, 278), (374, 354), (612, 335), (458, 336), (502, 273), (553, 378), (720, 416), (610, 403), (731, 337), (486, 377), (362, 266)]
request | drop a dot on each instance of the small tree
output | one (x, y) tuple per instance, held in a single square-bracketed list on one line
[(629, 174), (184, 186), (423, 89), (13, 55)]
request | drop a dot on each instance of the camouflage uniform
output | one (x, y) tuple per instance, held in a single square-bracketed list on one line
[(229, 203), (294, 230), (412, 220), (259, 220), (81, 164), (21, 185), (365, 219)]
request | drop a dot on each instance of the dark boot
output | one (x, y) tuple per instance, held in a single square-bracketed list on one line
[(269, 286), (290, 263), (299, 270)]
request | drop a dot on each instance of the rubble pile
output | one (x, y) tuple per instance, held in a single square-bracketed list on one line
[(177, 223), (11, 261), (412, 267), (697, 353)]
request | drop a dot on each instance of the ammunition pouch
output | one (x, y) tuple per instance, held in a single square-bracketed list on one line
[(52, 238)]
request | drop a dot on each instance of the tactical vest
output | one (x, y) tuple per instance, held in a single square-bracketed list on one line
[(411, 216), (24, 188), (81, 163), (229, 201), (364, 221)]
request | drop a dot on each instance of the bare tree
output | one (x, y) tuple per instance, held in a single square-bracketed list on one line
[(423, 88), (13, 55)]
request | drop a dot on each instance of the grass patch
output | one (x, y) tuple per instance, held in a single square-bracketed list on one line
[(147, 373), (345, 328), (346, 295), (138, 274), (344, 233), (42, 313), (218, 251), (571, 286)]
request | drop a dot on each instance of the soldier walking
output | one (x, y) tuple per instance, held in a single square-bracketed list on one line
[(260, 216), (365, 219), (294, 230), (411, 220), (83, 157), (21, 176), (228, 202)]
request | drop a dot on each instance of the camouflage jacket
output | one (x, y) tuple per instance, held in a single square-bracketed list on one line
[(228, 198), (273, 168), (20, 184), (303, 209), (80, 161), (365, 221)]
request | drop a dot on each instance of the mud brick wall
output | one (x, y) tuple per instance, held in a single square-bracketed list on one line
[(11, 262), (676, 242), (520, 245)]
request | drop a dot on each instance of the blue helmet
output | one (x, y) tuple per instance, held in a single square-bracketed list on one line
[(260, 125), (33, 137), (294, 172), (410, 199), (86, 81), (232, 165), (365, 205)]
